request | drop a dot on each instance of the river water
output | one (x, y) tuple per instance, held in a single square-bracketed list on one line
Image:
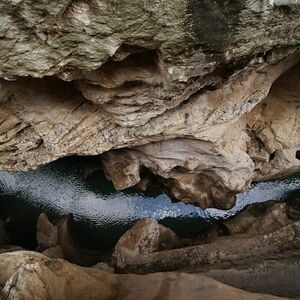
[(103, 214)]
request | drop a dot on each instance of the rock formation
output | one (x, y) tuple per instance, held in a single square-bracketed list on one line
[(29, 275), (46, 233), (55, 240), (235, 247), (260, 218), (263, 247), (145, 237), (203, 94)]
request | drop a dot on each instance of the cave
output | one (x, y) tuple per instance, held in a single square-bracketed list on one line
[(149, 147)]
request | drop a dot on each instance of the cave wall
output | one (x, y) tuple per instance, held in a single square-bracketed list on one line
[(202, 93)]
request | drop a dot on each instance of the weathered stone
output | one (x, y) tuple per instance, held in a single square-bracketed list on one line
[(104, 267), (54, 252), (46, 233), (71, 250), (182, 86), (56, 241), (28, 275), (259, 218), (277, 274), (235, 247), (146, 236)]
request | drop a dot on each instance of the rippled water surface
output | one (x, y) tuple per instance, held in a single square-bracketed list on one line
[(102, 214)]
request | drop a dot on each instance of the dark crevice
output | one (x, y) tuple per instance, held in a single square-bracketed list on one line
[(272, 156), (135, 67), (298, 154)]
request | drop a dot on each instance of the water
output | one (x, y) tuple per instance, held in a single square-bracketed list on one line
[(103, 214)]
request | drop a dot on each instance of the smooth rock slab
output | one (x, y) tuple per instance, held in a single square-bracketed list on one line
[(28, 275)]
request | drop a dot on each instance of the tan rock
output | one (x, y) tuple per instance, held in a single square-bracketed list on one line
[(146, 236), (54, 252), (224, 158), (28, 275), (104, 267), (46, 233), (259, 218), (235, 247), (56, 241), (206, 107), (72, 251)]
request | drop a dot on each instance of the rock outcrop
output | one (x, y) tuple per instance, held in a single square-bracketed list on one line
[(260, 218), (203, 94), (46, 233), (235, 247), (29, 275), (146, 236), (55, 240)]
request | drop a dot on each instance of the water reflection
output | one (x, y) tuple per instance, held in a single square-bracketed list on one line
[(103, 214)]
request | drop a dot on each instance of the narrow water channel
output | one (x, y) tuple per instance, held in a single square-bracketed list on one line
[(103, 214)]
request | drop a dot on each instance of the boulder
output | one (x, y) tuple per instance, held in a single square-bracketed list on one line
[(30, 275), (146, 236)]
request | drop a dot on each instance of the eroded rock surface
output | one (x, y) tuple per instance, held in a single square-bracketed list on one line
[(235, 247), (146, 236), (261, 218), (55, 241), (204, 95), (223, 159), (29, 275), (46, 233)]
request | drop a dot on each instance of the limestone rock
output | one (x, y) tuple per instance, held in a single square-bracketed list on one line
[(259, 218), (278, 274), (28, 275), (46, 233), (72, 251), (203, 94), (104, 267), (146, 236), (54, 252), (224, 158), (55, 240), (225, 249)]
